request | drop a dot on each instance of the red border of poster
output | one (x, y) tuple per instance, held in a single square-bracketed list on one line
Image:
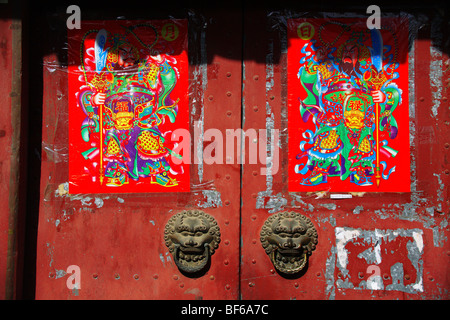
[(167, 41)]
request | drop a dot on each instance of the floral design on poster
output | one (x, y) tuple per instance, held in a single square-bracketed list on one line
[(348, 107), (128, 93)]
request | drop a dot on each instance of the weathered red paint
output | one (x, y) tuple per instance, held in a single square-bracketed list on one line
[(423, 211), (117, 240)]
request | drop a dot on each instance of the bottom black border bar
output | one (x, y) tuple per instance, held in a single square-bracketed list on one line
[(221, 309)]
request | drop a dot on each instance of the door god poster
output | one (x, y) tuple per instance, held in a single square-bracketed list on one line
[(128, 92), (348, 114)]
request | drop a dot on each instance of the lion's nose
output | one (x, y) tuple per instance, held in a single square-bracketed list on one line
[(191, 242), (288, 243)]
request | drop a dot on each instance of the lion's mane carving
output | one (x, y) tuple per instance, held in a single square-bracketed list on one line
[(288, 238), (192, 236)]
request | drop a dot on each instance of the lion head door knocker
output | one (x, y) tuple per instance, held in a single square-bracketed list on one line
[(192, 236), (289, 238)]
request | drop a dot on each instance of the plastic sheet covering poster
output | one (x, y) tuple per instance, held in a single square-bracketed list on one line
[(348, 114), (128, 93)]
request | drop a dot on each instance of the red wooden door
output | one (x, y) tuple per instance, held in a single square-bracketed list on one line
[(270, 241), (370, 244), (123, 245)]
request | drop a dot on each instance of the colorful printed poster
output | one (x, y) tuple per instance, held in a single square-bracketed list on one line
[(128, 92), (348, 114)]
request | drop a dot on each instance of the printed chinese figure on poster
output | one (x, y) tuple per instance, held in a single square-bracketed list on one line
[(128, 92), (348, 106)]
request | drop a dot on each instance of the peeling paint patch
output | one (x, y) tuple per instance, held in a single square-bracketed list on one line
[(297, 202), (441, 187), (75, 291), (436, 80), (60, 273), (50, 253), (332, 220), (358, 209), (168, 257), (212, 199), (161, 257), (63, 189), (439, 237), (375, 255), (200, 76), (436, 71), (329, 206), (330, 290), (326, 218), (85, 201), (98, 202), (266, 200), (269, 68), (413, 30)]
